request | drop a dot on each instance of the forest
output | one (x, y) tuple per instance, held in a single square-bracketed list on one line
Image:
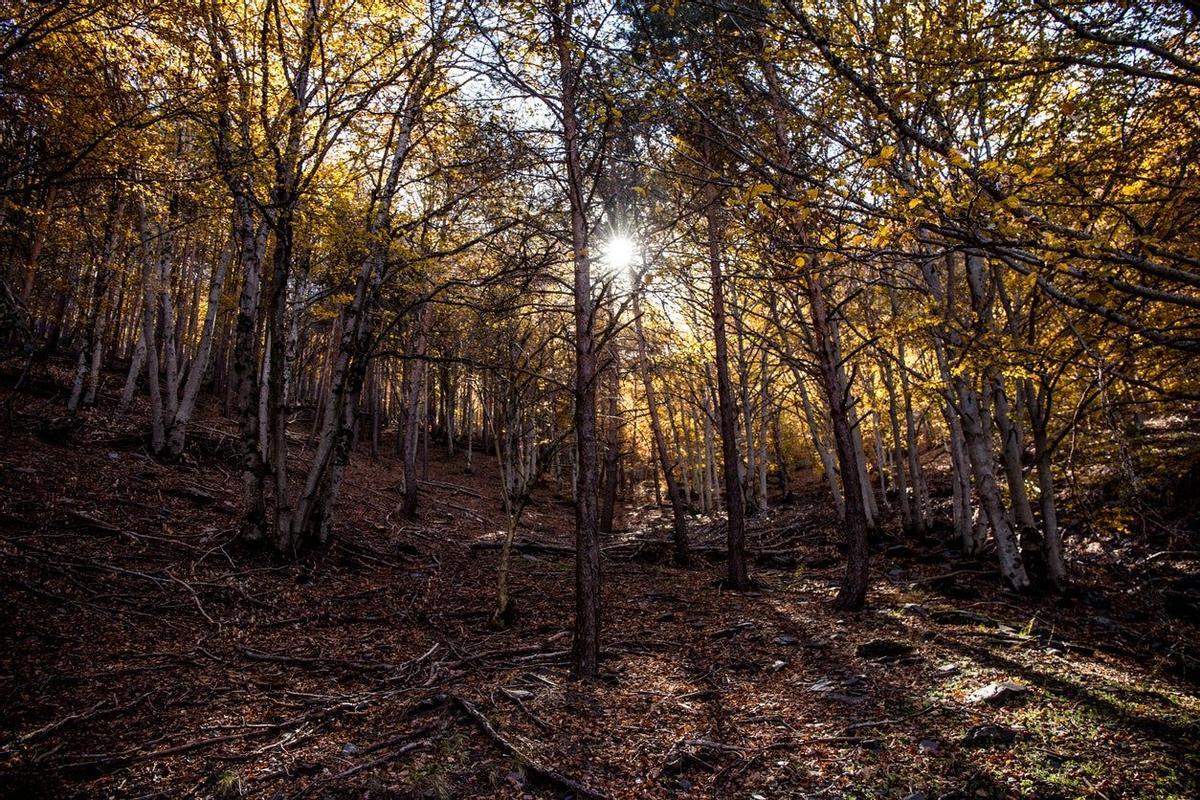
[(600, 399)]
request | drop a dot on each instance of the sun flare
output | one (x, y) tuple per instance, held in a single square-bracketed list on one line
[(619, 253)]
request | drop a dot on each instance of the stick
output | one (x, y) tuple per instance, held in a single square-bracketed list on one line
[(881, 722), (538, 769), (389, 756)]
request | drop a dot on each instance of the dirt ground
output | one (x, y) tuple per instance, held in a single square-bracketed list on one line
[(143, 653)]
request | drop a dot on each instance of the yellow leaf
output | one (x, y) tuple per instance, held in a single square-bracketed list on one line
[(757, 189)]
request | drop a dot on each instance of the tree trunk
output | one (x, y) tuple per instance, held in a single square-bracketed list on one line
[(612, 448), (150, 307), (1030, 537), (35, 247), (737, 575), (585, 647), (412, 409), (852, 594), (89, 352), (199, 364), (251, 241), (679, 532), (979, 451), (911, 526), (1038, 406)]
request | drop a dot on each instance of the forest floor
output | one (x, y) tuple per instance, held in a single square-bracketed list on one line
[(144, 654)]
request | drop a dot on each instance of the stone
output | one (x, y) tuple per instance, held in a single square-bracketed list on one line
[(883, 649), (350, 749), (947, 670), (914, 610), (927, 746), (777, 665), (989, 736), (998, 693), (785, 640)]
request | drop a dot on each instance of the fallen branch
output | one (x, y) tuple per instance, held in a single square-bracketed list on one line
[(516, 698), (391, 755), (527, 546), (454, 487), (879, 723), (534, 767), (94, 712)]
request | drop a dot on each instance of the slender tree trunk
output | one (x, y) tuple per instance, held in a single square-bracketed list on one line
[(199, 364), (585, 648), (612, 448), (679, 531), (853, 592), (823, 453), (920, 489), (1037, 406), (911, 526), (785, 480), (150, 307), (89, 352), (1011, 445), (737, 575), (764, 406), (748, 466), (136, 363), (251, 241), (412, 412), (978, 442), (170, 353), (35, 247)]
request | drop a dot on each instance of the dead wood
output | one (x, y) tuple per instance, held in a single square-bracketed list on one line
[(536, 768)]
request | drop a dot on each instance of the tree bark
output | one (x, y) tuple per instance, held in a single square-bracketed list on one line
[(89, 352), (737, 575), (679, 528), (852, 593), (177, 433), (585, 648), (412, 409), (150, 306)]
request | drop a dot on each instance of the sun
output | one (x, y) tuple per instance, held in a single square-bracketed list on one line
[(619, 253)]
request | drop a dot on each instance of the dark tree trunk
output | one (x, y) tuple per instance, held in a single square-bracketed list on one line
[(585, 647), (737, 575), (852, 594), (679, 531)]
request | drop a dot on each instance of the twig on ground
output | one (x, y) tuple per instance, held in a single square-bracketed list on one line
[(534, 767)]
